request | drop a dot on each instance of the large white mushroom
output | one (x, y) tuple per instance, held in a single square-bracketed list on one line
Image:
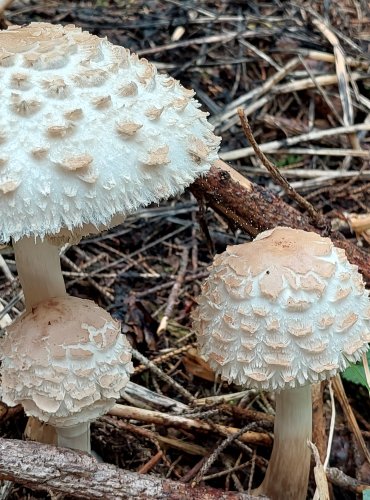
[(88, 133), (278, 314)]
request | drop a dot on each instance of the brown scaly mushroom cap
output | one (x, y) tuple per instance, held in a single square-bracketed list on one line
[(284, 310), (89, 132), (70, 366)]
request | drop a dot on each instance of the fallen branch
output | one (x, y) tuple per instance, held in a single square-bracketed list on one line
[(44, 467), (339, 478), (253, 209), (164, 419)]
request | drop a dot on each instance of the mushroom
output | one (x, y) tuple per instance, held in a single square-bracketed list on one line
[(68, 369), (88, 134), (278, 314)]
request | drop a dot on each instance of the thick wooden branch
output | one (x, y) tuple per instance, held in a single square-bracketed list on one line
[(45, 467), (253, 209)]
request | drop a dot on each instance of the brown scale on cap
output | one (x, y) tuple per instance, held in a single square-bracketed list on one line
[(197, 149), (90, 78), (77, 162), (169, 82), (341, 293), (299, 330), (180, 103), (60, 131), (272, 324), (6, 59), (56, 87), (9, 186), (148, 72), (85, 372), (24, 107), (79, 353), (157, 157), (325, 321), (20, 81), (127, 90), (102, 102), (347, 322), (43, 62), (40, 153), (74, 114), (90, 176), (128, 129), (154, 113)]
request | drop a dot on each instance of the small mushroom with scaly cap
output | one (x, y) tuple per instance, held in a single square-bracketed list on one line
[(278, 314), (66, 363), (88, 134)]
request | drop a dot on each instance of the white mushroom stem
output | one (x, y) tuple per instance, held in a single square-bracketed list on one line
[(289, 466), (39, 271), (76, 437), (40, 274)]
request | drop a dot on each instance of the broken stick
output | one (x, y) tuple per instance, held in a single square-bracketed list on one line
[(254, 209)]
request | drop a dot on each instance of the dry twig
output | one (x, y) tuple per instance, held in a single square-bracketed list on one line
[(345, 482), (159, 373), (174, 292), (350, 417), (160, 418), (291, 141), (317, 219)]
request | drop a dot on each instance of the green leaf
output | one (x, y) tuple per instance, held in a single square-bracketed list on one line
[(366, 494), (355, 373)]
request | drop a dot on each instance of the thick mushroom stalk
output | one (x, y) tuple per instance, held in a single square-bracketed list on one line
[(39, 271), (288, 470), (76, 437)]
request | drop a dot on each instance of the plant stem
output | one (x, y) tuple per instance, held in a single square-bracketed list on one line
[(289, 466), (39, 270)]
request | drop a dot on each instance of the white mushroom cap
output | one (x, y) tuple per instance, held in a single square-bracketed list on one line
[(89, 131), (287, 309), (71, 365)]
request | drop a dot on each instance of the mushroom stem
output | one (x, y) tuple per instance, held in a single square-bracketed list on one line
[(76, 437), (39, 270), (289, 466)]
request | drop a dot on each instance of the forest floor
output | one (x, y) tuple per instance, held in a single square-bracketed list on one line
[(300, 70)]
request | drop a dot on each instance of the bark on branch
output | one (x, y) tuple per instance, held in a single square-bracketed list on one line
[(45, 467), (253, 209)]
